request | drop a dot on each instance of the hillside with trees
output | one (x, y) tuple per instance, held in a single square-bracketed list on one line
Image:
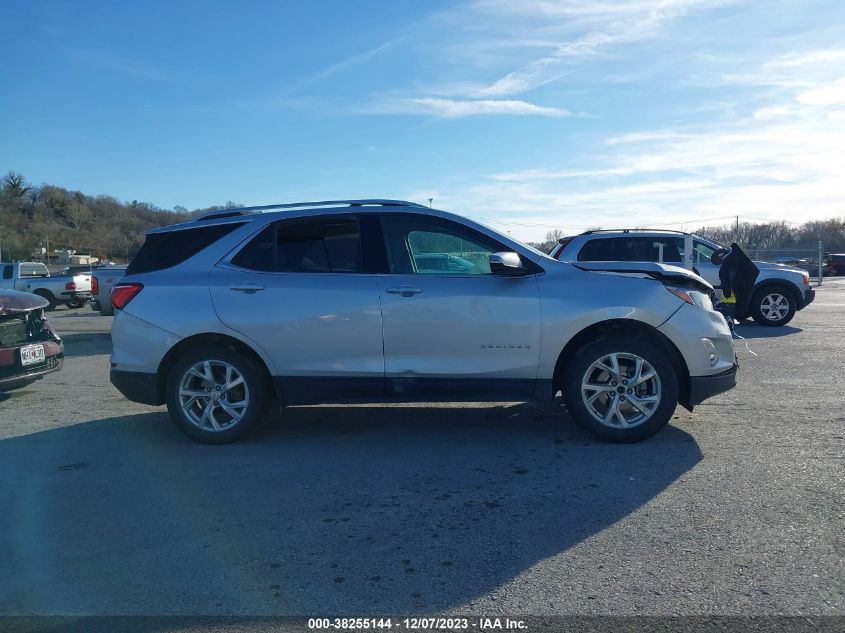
[(32, 216)]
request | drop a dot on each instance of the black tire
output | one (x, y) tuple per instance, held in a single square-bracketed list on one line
[(258, 389), (651, 353), (762, 299), (49, 297)]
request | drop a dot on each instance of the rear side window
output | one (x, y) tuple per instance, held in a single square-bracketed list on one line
[(632, 249), (34, 270), (164, 250), (7, 272), (323, 245)]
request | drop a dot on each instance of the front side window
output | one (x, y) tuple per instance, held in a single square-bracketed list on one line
[(321, 245), (701, 252), (424, 245)]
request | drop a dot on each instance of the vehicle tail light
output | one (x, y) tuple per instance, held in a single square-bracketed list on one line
[(70, 285), (95, 286), (561, 245), (122, 294)]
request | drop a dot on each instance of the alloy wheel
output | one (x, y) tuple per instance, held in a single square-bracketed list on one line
[(621, 390), (774, 306), (213, 395)]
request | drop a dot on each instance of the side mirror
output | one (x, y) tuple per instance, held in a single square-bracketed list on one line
[(507, 263), (718, 257)]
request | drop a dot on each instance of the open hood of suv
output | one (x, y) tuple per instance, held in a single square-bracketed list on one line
[(662, 272)]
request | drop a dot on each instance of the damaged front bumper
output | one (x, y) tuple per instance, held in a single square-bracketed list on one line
[(703, 387)]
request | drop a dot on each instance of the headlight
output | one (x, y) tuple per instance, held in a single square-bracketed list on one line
[(711, 350), (692, 297)]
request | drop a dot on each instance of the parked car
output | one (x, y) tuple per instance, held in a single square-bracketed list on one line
[(836, 263), (324, 302), (780, 290), (102, 281), (804, 264), (29, 347), (72, 290)]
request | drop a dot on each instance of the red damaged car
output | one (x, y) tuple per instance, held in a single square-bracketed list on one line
[(29, 347)]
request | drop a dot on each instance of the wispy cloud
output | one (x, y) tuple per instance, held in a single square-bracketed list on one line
[(615, 23), (347, 63), (783, 160), (460, 108)]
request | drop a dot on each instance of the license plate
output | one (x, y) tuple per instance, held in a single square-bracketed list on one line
[(32, 355)]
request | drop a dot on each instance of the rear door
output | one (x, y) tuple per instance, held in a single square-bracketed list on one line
[(300, 289), (452, 329)]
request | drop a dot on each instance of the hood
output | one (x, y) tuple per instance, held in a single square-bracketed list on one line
[(776, 266), (14, 302), (661, 272)]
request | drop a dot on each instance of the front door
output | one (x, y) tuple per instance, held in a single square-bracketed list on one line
[(300, 291), (453, 329)]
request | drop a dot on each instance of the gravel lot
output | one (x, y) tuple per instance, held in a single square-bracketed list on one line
[(490, 509)]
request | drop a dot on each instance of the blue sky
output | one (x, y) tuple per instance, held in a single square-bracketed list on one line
[(527, 115)]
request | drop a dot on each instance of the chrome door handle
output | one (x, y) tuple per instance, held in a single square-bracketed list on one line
[(247, 287), (405, 291)]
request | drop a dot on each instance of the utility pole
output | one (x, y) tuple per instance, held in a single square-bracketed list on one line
[(821, 255), (1, 243), (430, 200), (736, 231), (48, 252)]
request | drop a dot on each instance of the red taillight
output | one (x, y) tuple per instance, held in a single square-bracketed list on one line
[(122, 294), (95, 286), (70, 286), (561, 245)]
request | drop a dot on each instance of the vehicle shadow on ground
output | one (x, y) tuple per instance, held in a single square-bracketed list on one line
[(86, 344), (750, 331), (331, 510)]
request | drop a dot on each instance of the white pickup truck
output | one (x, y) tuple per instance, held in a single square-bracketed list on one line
[(72, 290)]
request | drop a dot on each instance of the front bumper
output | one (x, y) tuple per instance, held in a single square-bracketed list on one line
[(13, 375), (83, 294), (137, 386), (809, 297), (703, 387)]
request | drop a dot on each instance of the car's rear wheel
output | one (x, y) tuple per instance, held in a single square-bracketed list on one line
[(773, 306), (217, 395), (621, 389)]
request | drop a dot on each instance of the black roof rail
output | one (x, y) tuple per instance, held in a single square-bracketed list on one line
[(366, 202), (644, 230)]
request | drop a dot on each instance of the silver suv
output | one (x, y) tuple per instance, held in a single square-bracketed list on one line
[(779, 292), (368, 300)]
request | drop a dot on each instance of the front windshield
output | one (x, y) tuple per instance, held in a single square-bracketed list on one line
[(527, 247)]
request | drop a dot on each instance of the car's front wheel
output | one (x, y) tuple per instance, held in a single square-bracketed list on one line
[(620, 388), (773, 306), (216, 394)]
